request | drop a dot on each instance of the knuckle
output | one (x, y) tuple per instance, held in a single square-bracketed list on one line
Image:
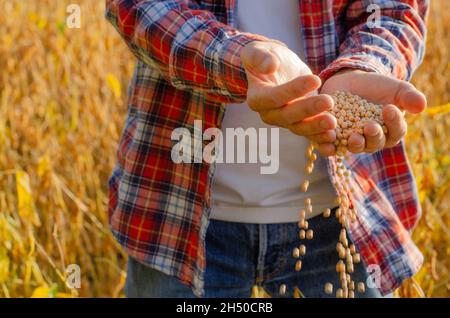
[(268, 118), (284, 117), (265, 118), (252, 101), (298, 129)]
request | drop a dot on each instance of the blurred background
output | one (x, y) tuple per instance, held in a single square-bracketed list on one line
[(62, 107)]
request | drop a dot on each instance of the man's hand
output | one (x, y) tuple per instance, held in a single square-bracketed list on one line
[(396, 96), (279, 89)]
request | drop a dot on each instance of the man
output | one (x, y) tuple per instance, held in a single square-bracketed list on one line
[(248, 63)]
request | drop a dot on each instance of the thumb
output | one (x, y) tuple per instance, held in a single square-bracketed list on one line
[(409, 98), (257, 58)]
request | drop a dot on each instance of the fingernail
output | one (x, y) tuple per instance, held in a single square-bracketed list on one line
[(324, 124), (333, 135)]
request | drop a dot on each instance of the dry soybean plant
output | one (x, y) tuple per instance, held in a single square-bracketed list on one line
[(351, 112)]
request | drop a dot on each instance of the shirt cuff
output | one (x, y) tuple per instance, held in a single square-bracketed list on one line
[(362, 62)]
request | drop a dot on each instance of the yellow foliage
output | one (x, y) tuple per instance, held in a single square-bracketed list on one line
[(114, 84), (4, 265), (42, 292), (43, 166), (25, 203), (439, 110)]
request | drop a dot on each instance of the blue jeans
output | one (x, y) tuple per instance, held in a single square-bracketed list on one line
[(240, 255)]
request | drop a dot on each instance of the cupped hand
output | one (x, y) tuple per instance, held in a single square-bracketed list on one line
[(281, 89), (395, 95)]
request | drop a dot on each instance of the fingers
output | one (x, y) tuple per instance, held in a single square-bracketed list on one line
[(407, 97), (328, 136), (395, 123), (258, 59), (326, 149), (356, 143), (314, 125), (296, 88), (374, 139), (324, 142), (297, 111), (267, 97), (374, 136)]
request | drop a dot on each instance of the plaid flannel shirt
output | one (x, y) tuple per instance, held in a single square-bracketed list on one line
[(189, 67)]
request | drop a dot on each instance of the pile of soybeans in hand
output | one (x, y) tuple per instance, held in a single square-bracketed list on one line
[(351, 112)]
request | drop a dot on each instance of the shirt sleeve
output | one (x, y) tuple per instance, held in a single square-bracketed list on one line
[(386, 37), (188, 45)]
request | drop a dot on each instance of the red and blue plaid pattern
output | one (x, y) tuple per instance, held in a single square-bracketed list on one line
[(189, 67)]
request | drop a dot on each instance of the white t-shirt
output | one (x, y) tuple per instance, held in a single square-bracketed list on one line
[(240, 193)]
